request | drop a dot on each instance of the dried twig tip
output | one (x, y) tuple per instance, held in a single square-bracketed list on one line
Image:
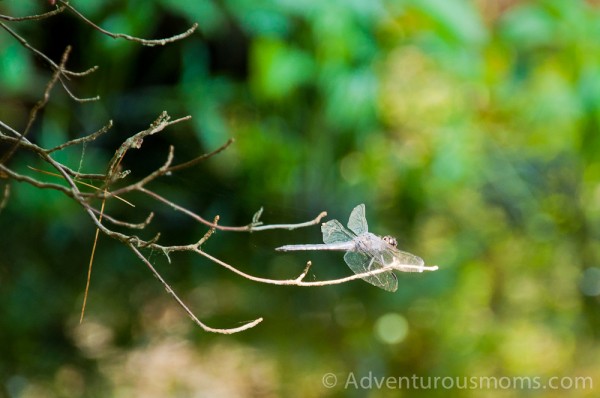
[(305, 272)]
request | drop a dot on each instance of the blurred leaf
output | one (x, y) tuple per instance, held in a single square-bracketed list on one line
[(351, 97), (15, 67), (458, 18), (529, 26), (278, 70)]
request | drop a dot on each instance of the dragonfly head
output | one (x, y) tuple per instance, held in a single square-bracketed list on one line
[(390, 240)]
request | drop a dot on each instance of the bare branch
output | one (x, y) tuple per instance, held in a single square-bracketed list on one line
[(33, 17), (145, 42)]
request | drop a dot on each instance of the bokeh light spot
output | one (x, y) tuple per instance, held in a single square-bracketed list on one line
[(391, 328)]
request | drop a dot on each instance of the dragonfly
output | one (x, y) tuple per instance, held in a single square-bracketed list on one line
[(366, 252)]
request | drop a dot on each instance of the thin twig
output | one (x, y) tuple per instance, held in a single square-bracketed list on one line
[(145, 42), (136, 140), (32, 181), (245, 228), (201, 158), (305, 272), (83, 140), (106, 193), (299, 281), (290, 227), (208, 233), (182, 304), (162, 170), (126, 224), (40, 54), (6, 126), (75, 98), (91, 262), (5, 196), (33, 17)]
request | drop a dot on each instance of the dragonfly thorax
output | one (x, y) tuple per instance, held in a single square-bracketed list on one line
[(390, 240)]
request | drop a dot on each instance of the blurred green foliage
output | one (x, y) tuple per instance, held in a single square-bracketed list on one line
[(469, 129)]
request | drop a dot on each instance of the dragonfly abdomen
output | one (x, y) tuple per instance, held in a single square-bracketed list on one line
[(341, 246)]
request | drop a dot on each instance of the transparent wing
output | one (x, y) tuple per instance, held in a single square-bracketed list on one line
[(358, 222), (359, 263), (334, 232), (399, 258)]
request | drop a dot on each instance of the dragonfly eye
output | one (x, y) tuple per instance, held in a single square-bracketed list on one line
[(390, 240)]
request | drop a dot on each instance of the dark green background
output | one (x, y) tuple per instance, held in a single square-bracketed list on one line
[(468, 128)]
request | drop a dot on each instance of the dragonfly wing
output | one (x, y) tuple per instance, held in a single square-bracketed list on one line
[(358, 222), (334, 232), (401, 258), (359, 263)]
